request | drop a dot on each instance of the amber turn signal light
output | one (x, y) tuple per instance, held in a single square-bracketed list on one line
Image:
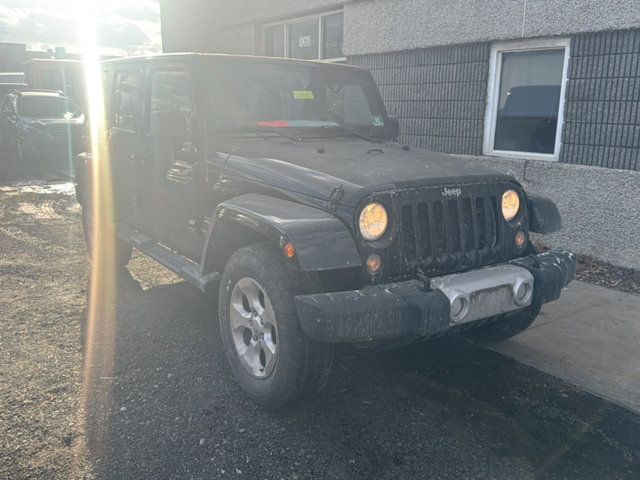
[(374, 262), (521, 239), (289, 250)]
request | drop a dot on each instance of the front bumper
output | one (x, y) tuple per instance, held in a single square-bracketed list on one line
[(409, 309)]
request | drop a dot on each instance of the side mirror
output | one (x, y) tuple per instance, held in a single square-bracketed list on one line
[(393, 128), (168, 129)]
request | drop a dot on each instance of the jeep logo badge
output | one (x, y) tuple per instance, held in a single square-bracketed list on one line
[(451, 192)]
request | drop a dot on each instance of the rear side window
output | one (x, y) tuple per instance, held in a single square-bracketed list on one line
[(169, 92), (126, 100)]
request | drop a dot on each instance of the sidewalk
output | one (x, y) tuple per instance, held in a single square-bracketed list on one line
[(590, 338)]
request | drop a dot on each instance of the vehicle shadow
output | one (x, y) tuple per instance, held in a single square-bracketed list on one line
[(163, 404), (44, 167)]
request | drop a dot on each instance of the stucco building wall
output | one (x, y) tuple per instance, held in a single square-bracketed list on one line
[(389, 25), (374, 26), (437, 93)]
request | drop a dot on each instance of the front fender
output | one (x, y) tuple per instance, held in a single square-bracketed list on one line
[(322, 241), (544, 216)]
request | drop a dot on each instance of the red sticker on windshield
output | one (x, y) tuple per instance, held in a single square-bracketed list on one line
[(274, 123)]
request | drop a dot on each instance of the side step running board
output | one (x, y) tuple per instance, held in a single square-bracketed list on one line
[(179, 264)]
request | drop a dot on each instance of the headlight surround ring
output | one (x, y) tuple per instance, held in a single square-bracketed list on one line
[(373, 221)]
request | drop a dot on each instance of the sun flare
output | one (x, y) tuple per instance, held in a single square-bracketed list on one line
[(102, 291)]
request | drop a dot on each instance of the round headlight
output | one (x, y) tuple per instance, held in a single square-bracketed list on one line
[(510, 204), (373, 221)]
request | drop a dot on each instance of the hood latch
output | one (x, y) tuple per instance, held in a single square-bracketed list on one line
[(334, 198)]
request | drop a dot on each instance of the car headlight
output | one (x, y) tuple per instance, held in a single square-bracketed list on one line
[(510, 204), (373, 221)]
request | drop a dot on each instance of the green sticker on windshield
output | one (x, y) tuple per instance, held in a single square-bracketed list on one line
[(378, 121), (303, 94)]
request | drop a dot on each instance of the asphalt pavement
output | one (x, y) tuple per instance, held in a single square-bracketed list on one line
[(154, 398), (589, 338), (169, 408)]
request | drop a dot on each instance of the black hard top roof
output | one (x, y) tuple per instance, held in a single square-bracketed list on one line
[(193, 56)]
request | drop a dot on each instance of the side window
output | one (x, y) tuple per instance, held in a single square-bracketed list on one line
[(169, 92), (106, 90), (126, 100)]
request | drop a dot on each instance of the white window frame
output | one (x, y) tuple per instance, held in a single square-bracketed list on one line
[(493, 95), (286, 23)]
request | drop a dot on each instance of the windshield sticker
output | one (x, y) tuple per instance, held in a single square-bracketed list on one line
[(303, 95), (378, 121), (296, 123)]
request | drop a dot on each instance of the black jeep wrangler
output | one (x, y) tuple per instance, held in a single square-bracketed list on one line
[(276, 186)]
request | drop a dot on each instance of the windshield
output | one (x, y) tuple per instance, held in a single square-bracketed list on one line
[(253, 96), (47, 107)]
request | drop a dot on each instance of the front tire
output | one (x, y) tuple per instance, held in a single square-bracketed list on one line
[(272, 358)]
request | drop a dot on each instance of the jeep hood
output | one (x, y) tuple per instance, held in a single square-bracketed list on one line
[(360, 167)]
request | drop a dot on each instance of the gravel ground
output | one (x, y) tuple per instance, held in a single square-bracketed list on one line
[(606, 275), (42, 298), (157, 400)]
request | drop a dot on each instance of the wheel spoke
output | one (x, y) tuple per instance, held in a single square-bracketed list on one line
[(269, 349), (239, 316), (251, 357), (268, 317), (249, 289)]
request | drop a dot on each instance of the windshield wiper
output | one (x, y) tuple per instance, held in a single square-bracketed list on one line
[(341, 125)]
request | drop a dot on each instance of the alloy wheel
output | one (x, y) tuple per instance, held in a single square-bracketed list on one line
[(253, 327)]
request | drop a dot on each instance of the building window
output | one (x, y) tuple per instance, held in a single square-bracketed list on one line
[(332, 32), (311, 38), (304, 40), (526, 98), (274, 40)]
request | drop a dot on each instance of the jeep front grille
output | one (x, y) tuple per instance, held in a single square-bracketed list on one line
[(442, 233)]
